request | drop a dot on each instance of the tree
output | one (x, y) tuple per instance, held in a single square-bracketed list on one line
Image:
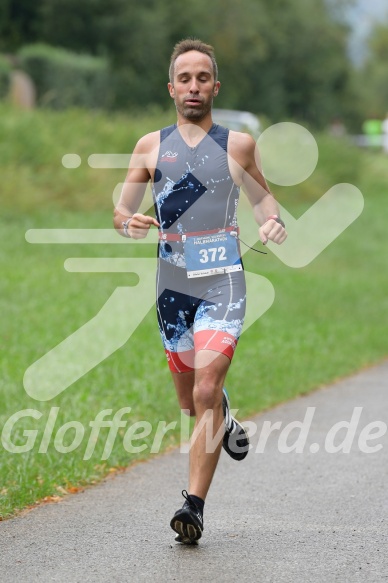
[(284, 59), (372, 79), (19, 23)]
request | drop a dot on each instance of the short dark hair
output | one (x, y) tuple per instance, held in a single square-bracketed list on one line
[(192, 44)]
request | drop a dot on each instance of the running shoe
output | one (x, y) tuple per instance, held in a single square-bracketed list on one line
[(236, 440), (187, 521)]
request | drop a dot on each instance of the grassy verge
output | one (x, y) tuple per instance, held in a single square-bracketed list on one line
[(326, 322)]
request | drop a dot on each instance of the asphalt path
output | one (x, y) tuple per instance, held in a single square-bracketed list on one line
[(317, 515)]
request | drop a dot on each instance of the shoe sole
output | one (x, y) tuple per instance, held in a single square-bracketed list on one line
[(183, 525), (185, 541)]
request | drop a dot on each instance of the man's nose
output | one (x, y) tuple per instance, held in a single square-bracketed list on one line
[(194, 86)]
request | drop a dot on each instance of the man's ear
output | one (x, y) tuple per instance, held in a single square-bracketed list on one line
[(216, 89), (171, 90)]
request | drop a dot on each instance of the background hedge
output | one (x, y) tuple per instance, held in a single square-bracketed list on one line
[(5, 75), (65, 79)]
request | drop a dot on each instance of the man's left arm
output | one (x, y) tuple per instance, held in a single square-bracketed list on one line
[(265, 207)]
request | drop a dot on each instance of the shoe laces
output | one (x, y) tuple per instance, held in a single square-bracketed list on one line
[(190, 502)]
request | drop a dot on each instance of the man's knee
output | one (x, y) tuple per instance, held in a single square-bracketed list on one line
[(207, 395)]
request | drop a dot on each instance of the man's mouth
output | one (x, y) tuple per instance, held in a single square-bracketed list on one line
[(193, 101)]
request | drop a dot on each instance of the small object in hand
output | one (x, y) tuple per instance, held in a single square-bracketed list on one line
[(277, 219), (125, 227)]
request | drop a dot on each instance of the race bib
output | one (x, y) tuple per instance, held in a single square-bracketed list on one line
[(211, 254)]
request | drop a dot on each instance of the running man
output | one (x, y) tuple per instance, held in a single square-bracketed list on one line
[(196, 169)]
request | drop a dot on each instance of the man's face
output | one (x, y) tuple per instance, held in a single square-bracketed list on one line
[(194, 86)]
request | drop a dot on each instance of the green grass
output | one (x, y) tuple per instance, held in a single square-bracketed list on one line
[(327, 320)]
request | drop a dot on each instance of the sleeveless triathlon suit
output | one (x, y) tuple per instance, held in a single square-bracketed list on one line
[(194, 194)]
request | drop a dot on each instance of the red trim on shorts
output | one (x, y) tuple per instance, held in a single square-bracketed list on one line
[(180, 361), (215, 340)]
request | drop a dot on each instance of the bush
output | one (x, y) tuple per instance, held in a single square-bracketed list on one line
[(5, 75), (65, 79)]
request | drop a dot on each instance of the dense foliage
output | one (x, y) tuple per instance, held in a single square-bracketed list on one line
[(282, 59)]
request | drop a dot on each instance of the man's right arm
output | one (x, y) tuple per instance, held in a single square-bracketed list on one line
[(134, 188)]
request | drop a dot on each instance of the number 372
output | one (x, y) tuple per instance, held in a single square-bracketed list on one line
[(212, 254)]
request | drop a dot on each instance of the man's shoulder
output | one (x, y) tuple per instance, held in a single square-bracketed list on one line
[(148, 142), (241, 138), (241, 142)]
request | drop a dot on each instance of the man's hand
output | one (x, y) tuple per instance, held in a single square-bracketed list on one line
[(272, 231), (139, 226)]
